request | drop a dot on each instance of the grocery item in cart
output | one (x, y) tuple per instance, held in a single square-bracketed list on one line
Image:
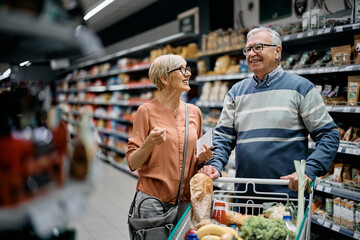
[(201, 188)]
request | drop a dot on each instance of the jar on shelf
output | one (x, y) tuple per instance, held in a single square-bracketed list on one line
[(219, 212)]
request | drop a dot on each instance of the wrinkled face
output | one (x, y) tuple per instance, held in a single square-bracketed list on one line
[(267, 60), (178, 80)]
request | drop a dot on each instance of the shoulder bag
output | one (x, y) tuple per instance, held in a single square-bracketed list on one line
[(158, 227)]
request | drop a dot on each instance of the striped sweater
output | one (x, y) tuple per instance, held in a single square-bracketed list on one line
[(268, 122)]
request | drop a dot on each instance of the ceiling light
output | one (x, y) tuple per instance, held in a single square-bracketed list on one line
[(27, 63), (97, 9)]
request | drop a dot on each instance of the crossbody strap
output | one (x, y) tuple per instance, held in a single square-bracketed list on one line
[(185, 150)]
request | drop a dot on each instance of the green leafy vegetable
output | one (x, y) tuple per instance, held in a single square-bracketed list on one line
[(256, 228)]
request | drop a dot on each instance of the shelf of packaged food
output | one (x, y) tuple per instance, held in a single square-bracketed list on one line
[(113, 133), (134, 103), (331, 225), (211, 104), (135, 68), (339, 191), (62, 205), (218, 51), (121, 120), (121, 166), (173, 39), (322, 32), (234, 76), (111, 148), (119, 87), (345, 147), (300, 71)]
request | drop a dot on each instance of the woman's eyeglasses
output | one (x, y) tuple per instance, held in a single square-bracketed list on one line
[(182, 70), (256, 48)]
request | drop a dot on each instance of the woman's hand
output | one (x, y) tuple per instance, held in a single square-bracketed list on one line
[(204, 155), (157, 136)]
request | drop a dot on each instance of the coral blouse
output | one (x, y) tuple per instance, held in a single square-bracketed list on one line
[(160, 174)]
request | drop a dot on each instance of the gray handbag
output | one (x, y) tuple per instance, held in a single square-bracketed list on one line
[(158, 227)]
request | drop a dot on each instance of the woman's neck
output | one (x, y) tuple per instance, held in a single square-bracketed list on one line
[(171, 101)]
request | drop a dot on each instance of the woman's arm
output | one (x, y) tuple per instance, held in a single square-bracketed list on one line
[(139, 156)]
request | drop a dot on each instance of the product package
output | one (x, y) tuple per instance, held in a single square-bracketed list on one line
[(305, 21), (357, 48), (341, 55), (353, 90), (314, 20)]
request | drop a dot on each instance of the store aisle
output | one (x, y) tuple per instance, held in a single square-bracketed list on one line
[(108, 206)]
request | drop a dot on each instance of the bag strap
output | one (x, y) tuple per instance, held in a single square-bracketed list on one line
[(185, 150), (162, 204)]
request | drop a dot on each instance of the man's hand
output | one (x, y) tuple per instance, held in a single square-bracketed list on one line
[(157, 135), (209, 170), (294, 179), (204, 155)]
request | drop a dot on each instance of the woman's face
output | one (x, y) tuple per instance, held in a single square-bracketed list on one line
[(179, 79)]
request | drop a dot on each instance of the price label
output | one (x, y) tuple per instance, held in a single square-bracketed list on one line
[(313, 70), (319, 187), (357, 109), (320, 31), (340, 149), (327, 224), (339, 29), (300, 35), (321, 70), (327, 189), (320, 221), (356, 235), (349, 150), (286, 38), (335, 228), (356, 26), (327, 30), (328, 108), (347, 109), (311, 33), (356, 151)]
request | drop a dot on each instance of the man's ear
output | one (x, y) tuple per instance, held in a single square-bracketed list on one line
[(278, 51)]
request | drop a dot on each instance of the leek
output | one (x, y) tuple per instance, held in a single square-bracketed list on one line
[(300, 170)]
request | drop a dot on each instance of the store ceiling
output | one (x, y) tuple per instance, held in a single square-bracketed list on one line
[(114, 12)]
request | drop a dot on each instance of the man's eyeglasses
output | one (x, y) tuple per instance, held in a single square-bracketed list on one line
[(256, 48), (182, 70)]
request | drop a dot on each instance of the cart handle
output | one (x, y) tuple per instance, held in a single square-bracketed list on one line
[(254, 180)]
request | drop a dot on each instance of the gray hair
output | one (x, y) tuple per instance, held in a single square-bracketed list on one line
[(275, 37), (161, 66)]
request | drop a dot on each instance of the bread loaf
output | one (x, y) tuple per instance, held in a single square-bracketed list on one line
[(201, 188)]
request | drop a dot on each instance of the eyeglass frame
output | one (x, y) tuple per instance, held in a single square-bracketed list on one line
[(187, 68), (257, 44)]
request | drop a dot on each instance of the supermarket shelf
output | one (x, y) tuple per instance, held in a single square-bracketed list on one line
[(134, 103), (236, 48), (122, 167), (322, 187), (211, 104), (344, 109), (319, 33), (121, 120), (235, 76), (179, 37), (330, 224), (301, 71), (114, 149), (120, 87), (342, 149), (114, 133)]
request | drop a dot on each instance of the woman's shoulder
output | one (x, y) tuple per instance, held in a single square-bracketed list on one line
[(193, 108)]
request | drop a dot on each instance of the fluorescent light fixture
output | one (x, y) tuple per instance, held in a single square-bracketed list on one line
[(97, 9), (5, 74), (24, 63)]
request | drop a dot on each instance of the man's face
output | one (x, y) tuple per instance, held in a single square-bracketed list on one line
[(267, 60)]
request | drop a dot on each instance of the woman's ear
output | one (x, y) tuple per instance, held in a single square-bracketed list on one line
[(164, 80)]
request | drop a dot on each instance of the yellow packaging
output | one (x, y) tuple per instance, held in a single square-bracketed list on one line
[(353, 90)]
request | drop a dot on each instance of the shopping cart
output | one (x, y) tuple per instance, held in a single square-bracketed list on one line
[(250, 204)]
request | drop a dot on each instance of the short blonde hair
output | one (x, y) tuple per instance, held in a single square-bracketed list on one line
[(161, 66)]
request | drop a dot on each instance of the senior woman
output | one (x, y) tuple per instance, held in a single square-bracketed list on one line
[(156, 146)]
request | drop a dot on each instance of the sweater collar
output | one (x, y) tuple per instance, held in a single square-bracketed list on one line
[(269, 79)]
